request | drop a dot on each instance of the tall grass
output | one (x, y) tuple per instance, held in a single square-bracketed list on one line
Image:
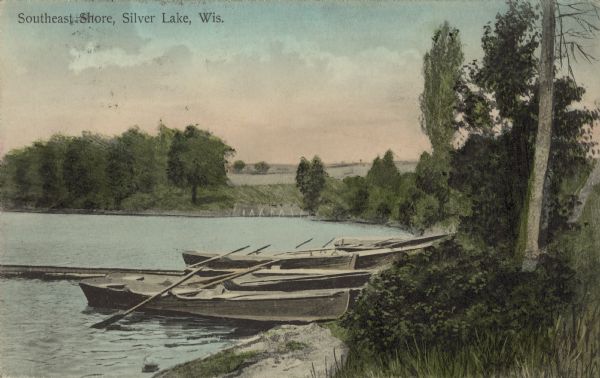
[(570, 348)]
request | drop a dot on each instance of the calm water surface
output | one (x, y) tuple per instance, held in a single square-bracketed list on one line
[(44, 326)]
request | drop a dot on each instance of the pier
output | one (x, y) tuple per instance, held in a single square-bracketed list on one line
[(47, 272)]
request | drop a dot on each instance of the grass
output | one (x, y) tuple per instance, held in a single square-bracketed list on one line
[(213, 199), (293, 346), (218, 364)]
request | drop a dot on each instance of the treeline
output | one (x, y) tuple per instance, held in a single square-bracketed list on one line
[(97, 172), (415, 200)]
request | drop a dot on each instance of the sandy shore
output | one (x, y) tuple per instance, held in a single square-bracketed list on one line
[(293, 351)]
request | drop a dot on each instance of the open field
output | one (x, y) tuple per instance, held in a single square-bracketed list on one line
[(286, 173)]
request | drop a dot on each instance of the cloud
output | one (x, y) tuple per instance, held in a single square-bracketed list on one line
[(93, 55)]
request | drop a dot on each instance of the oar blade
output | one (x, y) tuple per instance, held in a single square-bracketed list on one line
[(106, 322)]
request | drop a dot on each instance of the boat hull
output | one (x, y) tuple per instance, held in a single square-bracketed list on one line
[(245, 262), (254, 306), (347, 280), (369, 259)]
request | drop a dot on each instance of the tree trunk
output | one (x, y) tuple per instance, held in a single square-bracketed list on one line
[(194, 194), (544, 135)]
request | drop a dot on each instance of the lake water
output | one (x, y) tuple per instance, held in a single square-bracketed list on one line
[(45, 326)]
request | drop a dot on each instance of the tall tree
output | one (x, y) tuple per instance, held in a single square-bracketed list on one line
[(52, 156), (441, 71), (383, 172), (544, 133), (310, 180), (197, 158), (500, 99), (84, 171)]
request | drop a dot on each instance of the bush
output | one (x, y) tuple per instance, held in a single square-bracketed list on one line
[(426, 211), (262, 167), (447, 295), (238, 166)]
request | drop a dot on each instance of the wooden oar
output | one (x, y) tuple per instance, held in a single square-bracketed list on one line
[(304, 251), (259, 250), (191, 274), (304, 242), (326, 244), (204, 262)]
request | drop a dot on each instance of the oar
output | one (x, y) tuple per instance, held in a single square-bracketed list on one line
[(191, 274), (259, 250), (304, 242), (326, 244), (304, 251), (215, 258)]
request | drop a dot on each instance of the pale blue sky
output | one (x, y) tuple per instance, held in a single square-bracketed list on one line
[(276, 80)]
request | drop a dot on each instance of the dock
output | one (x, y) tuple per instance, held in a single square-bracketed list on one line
[(48, 272)]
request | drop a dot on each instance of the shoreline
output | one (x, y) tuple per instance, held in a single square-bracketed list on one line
[(294, 351), (159, 213), (202, 214)]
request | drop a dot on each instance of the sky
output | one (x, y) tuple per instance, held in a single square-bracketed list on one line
[(276, 79)]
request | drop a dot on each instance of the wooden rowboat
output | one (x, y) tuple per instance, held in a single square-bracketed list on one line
[(299, 279), (360, 244), (264, 306), (311, 259), (260, 280)]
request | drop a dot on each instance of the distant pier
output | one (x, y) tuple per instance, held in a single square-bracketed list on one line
[(46, 272)]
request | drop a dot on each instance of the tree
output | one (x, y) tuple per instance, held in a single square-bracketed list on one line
[(499, 100), (544, 133), (132, 164), (383, 172), (439, 105), (538, 203), (310, 180), (84, 171), (197, 158), (262, 167), (302, 173), (52, 156), (441, 71), (238, 166)]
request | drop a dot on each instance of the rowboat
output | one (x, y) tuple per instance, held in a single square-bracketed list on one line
[(351, 244), (299, 279), (263, 306), (260, 280), (311, 259)]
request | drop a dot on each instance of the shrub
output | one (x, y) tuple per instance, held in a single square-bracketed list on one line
[(262, 167), (238, 166), (447, 295)]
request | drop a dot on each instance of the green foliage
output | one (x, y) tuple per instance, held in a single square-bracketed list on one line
[(52, 157), (447, 295), (357, 194), (492, 168), (238, 166), (126, 172), (132, 158), (84, 171), (262, 167), (441, 72), (215, 365), (197, 158), (294, 346), (310, 180), (383, 172)]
